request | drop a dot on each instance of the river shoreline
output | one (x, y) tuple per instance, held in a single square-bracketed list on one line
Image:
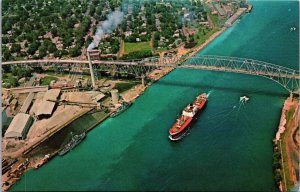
[(138, 90), (286, 145)]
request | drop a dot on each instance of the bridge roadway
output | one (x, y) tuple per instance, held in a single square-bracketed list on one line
[(288, 78), (160, 63), (244, 71)]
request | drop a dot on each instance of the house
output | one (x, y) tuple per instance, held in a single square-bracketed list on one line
[(176, 35), (128, 33)]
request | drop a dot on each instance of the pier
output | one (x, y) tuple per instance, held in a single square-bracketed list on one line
[(233, 18)]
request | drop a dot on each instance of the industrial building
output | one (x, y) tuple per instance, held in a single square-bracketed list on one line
[(19, 126), (52, 95), (27, 103), (46, 109), (115, 96), (48, 104), (99, 97)]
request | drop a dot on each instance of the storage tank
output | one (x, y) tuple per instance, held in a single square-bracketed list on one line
[(114, 96)]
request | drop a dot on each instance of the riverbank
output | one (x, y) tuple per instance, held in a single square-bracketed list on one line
[(287, 144), (34, 152), (193, 51), (135, 92), (23, 154)]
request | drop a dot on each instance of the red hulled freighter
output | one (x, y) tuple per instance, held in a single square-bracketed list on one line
[(188, 115)]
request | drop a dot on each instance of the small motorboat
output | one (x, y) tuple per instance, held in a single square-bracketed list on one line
[(244, 99)]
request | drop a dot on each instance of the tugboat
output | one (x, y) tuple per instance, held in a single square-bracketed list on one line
[(76, 139), (125, 105), (189, 114)]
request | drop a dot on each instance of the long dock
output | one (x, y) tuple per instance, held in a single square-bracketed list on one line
[(233, 18), (55, 131)]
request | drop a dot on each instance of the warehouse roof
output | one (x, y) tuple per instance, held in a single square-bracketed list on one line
[(99, 97), (52, 94), (27, 103), (17, 125), (46, 108)]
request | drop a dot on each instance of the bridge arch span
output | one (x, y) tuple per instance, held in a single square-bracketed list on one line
[(286, 77)]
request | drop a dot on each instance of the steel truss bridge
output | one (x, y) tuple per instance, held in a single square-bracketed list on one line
[(286, 77)]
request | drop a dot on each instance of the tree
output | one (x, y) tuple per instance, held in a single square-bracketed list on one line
[(54, 31), (64, 52), (114, 48), (39, 69), (278, 177), (67, 41), (13, 81), (92, 10), (15, 48), (21, 72), (42, 51), (156, 36), (52, 48), (6, 54), (74, 52), (5, 40), (32, 48), (57, 53)]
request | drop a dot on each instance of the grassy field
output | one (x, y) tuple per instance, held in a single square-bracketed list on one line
[(202, 37), (138, 46), (215, 20), (162, 49), (47, 80), (124, 86)]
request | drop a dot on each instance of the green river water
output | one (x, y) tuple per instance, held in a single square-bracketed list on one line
[(228, 148)]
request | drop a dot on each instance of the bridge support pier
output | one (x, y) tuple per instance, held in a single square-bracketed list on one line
[(143, 80), (291, 96)]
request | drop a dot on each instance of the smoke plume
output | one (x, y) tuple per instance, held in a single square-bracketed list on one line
[(107, 26)]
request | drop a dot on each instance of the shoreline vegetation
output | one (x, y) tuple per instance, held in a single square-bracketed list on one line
[(286, 146)]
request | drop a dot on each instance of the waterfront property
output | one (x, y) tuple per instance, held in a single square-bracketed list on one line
[(232, 19)]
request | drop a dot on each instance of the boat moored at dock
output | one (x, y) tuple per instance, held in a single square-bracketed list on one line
[(125, 105), (76, 139)]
